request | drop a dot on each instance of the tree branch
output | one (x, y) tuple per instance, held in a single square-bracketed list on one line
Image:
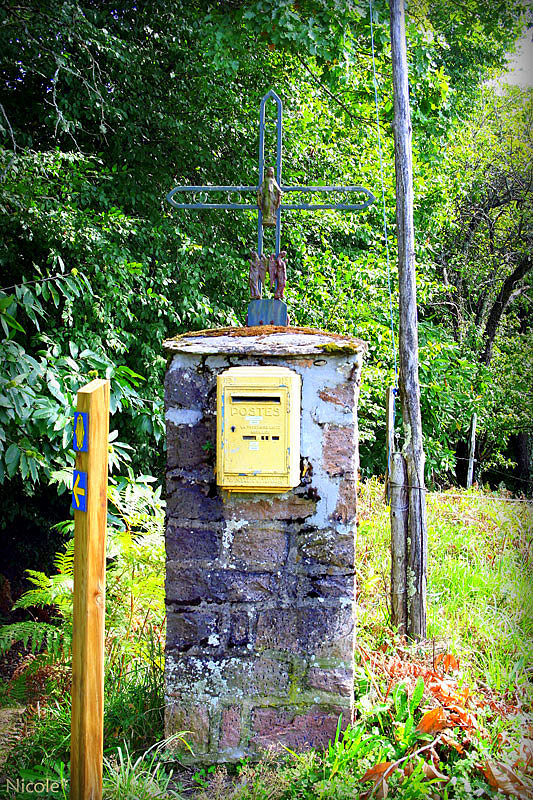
[(330, 93), (5, 169), (505, 296)]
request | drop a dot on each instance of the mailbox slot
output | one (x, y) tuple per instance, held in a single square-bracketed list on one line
[(250, 398)]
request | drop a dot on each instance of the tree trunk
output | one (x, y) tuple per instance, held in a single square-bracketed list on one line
[(521, 449), (506, 295), (408, 334), (391, 394)]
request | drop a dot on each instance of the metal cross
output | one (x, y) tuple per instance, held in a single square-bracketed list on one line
[(255, 311)]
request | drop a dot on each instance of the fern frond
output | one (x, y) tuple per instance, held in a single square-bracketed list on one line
[(38, 578), (64, 562), (36, 635), (56, 590), (34, 598)]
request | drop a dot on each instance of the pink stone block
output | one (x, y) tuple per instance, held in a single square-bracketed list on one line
[(230, 728)]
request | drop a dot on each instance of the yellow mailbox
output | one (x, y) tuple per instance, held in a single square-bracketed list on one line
[(258, 429)]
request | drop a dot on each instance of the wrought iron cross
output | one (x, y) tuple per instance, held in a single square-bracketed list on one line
[(270, 311)]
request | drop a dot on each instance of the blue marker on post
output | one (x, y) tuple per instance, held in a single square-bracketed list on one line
[(79, 491)]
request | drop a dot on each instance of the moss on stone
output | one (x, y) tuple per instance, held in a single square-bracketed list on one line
[(340, 346)]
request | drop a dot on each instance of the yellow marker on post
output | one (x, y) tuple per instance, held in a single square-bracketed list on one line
[(89, 500), (79, 431)]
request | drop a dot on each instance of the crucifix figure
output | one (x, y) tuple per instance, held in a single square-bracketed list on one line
[(269, 199), (269, 205)]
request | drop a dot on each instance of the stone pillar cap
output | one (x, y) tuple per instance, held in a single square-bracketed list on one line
[(265, 340)]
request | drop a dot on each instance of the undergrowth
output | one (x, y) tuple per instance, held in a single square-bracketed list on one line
[(449, 719), (134, 643), (480, 574)]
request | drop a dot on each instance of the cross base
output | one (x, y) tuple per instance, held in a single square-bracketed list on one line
[(267, 312)]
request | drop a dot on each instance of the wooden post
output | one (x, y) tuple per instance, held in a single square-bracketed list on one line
[(391, 393), (472, 451), (399, 517), (86, 748), (408, 333)]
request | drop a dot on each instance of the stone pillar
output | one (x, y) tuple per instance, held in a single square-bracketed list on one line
[(260, 587)]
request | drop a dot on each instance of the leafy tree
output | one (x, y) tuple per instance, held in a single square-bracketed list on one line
[(483, 255), (105, 106)]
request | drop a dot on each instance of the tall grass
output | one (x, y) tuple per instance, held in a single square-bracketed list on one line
[(480, 580)]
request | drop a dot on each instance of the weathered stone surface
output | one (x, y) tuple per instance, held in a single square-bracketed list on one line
[(274, 507), (192, 584), (192, 543), (327, 547), (187, 629), (256, 675), (245, 587), (260, 547), (346, 508), (202, 474), (342, 395), (230, 727), (186, 585), (274, 728), (185, 388), (270, 677), (324, 586), (262, 341), (223, 676), (338, 449), (193, 718), (314, 630), (336, 681), (240, 632), (304, 362), (260, 587), (193, 501), (198, 677), (190, 446)]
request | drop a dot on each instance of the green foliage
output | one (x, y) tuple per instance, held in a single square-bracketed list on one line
[(482, 254), (143, 778), (135, 596), (135, 629), (124, 776), (474, 533), (52, 590), (49, 590), (134, 578), (126, 102), (338, 772), (35, 636), (38, 391)]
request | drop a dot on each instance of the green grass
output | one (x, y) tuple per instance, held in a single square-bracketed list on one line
[(480, 579)]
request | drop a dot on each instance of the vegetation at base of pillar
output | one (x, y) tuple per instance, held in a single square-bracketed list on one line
[(450, 717)]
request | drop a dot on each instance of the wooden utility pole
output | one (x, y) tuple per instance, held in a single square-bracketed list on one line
[(471, 451), (89, 499), (408, 333)]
